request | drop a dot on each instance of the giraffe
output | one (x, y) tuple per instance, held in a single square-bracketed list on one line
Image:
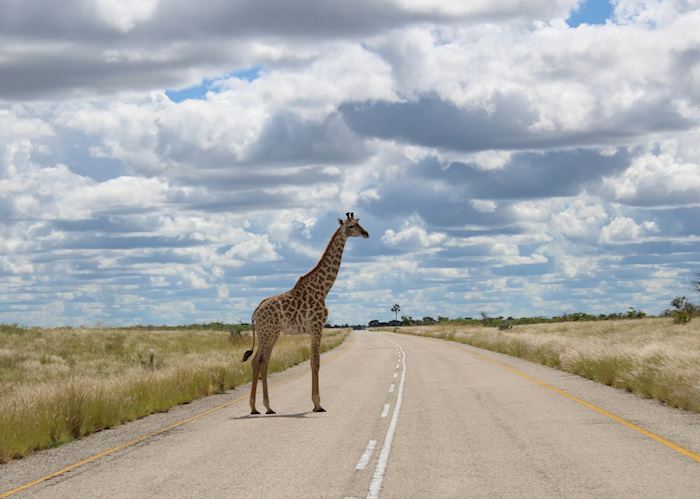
[(301, 310)]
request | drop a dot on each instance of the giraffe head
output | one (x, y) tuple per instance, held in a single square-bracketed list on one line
[(351, 226)]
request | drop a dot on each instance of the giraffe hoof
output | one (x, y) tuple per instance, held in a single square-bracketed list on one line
[(319, 409), (254, 411), (270, 411)]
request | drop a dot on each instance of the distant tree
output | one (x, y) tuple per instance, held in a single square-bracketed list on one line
[(633, 313), (427, 320), (696, 282), (484, 318), (396, 309), (682, 310)]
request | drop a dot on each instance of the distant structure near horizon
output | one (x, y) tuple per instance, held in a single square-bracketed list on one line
[(376, 323)]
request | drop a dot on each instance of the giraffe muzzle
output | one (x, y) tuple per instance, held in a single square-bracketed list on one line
[(364, 233)]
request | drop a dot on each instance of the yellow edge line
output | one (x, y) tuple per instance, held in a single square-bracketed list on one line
[(142, 438), (681, 450)]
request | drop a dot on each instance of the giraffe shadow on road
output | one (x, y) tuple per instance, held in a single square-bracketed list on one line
[(298, 415)]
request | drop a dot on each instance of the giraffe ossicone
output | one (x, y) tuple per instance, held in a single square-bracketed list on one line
[(301, 310)]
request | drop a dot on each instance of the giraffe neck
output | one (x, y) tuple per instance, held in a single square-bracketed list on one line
[(321, 278)]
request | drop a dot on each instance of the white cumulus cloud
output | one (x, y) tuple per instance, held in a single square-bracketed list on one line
[(657, 180), (625, 229)]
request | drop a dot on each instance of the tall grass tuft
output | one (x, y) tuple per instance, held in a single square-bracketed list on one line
[(650, 357), (62, 384)]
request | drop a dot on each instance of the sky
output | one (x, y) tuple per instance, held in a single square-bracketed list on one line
[(170, 162)]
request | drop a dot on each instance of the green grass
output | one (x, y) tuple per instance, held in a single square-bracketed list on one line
[(653, 358), (57, 385)]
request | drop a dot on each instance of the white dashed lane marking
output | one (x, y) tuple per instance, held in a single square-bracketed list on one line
[(378, 477), (366, 455), (391, 388), (386, 410)]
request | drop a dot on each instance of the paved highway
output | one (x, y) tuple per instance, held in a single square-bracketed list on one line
[(407, 417)]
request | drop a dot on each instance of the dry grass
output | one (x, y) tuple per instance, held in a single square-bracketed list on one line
[(651, 357), (60, 384)]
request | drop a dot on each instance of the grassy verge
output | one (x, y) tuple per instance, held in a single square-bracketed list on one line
[(60, 384), (650, 357)]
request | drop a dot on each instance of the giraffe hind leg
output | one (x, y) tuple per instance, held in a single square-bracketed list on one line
[(269, 345), (263, 375), (254, 382)]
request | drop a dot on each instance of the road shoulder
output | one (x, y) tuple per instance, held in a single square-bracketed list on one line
[(43, 463)]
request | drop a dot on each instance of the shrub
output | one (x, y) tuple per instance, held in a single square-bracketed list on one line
[(683, 310), (149, 360)]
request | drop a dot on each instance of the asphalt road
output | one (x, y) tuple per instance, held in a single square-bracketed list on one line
[(446, 420)]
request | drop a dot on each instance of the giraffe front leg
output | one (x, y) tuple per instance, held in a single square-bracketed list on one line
[(254, 381), (315, 366)]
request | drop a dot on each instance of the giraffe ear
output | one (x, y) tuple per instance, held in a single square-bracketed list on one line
[(340, 221)]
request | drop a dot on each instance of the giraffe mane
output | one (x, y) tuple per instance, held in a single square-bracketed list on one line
[(318, 264)]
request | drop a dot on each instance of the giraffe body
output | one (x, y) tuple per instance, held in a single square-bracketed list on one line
[(301, 310)]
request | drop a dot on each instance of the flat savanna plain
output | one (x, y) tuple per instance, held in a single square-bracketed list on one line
[(652, 357), (57, 385)]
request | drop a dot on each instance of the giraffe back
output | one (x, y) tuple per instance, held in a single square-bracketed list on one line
[(293, 312)]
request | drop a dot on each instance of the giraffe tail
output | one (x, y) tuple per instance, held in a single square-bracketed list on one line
[(250, 352)]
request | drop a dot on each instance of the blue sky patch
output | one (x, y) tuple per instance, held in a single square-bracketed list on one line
[(200, 91), (591, 12)]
